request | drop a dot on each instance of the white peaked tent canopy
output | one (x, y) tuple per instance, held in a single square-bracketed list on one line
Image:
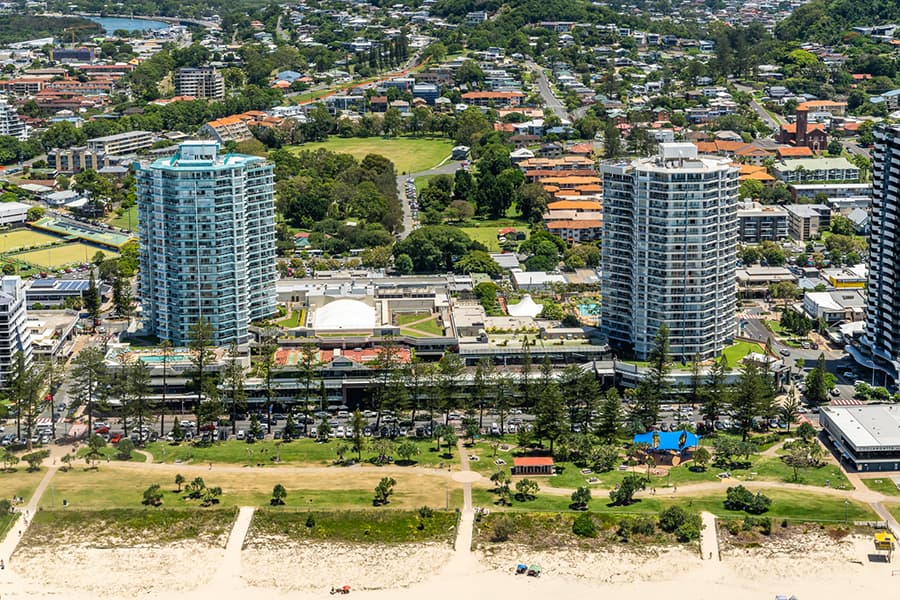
[(525, 308)]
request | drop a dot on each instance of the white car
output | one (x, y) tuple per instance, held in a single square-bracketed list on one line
[(339, 432), (240, 434)]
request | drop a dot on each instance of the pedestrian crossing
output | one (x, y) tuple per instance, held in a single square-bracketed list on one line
[(746, 316), (846, 402), (48, 421)]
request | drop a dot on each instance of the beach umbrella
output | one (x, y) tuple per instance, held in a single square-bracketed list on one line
[(346, 588)]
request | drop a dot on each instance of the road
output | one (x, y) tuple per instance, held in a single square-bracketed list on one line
[(409, 223), (772, 123), (550, 100), (855, 148)]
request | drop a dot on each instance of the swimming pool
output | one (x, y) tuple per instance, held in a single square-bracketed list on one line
[(589, 310), (158, 358)]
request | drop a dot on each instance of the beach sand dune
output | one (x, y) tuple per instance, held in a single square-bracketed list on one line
[(76, 570), (279, 563), (812, 566)]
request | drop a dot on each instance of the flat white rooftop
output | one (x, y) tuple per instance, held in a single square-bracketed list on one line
[(871, 427)]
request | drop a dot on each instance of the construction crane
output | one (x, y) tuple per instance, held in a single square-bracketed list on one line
[(75, 28)]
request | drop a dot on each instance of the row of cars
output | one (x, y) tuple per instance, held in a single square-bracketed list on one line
[(42, 435)]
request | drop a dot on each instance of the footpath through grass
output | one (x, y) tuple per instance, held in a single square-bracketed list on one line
[(883, 485), (20, 482), (409, 154), (114, 527), (382, 525)]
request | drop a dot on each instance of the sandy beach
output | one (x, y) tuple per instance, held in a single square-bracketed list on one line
[(808, 565), (279, 563)]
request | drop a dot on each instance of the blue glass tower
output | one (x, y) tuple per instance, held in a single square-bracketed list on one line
[(207, 242)]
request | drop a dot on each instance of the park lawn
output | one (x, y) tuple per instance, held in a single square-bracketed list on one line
[(381, 525), (786, 504), (109, 454), (130, 526), (883, 485), (487, 235), (571, 476), (112, 487), (297, 452), (60, 256), (408, 154), (736, 352), (25, 238), (303, 451), (20, 482), (486, 456), (774, 469), (127, 221)]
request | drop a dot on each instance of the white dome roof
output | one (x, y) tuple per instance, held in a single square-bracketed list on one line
[(345, 314), (525, 308)]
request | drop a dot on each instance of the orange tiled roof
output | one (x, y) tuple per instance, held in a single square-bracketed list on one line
[(586, 224), (794, 151), (575, 205)]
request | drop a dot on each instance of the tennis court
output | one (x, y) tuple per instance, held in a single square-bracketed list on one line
[(61, 256), (24, 238), (90, 233)]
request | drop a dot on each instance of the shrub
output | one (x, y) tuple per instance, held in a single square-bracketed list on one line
[(688, 531), (503, 529), (644, 526), (740, 498), (425, 512), (584, 526), (672, 518), (310, 521)]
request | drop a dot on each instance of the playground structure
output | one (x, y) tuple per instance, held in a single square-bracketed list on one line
[(884, 542), (668, 447)]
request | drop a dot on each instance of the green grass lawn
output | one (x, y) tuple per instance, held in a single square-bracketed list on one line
[(24, 238), (883, 485), (381, 525), (487, 235), (117, 487), (786, 504), (422, 182), (428, 328), (774, 469), (20, 482), (6, 523), (292, 320), (408, 154), (736, 352), (128, 220), (60, 256), (296, 452), (109, 454), (137, 525), (775, 327)]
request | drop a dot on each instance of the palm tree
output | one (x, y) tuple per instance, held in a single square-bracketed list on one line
[(165, 350)]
